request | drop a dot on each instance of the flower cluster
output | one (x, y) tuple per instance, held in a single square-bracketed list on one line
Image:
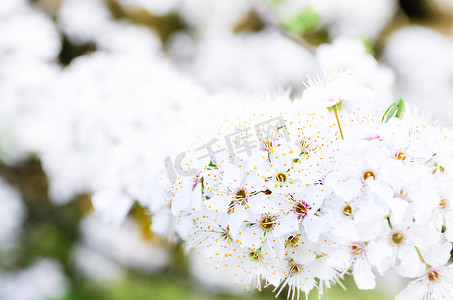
[(344, 187)]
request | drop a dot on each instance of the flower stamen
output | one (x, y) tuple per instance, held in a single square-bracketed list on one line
[(368, 174), (301, 208), (433, 275), (397, 238), (267, 223), (443, 203), (347, 210)]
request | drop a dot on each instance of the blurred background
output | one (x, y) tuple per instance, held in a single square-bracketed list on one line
[(94, 94)]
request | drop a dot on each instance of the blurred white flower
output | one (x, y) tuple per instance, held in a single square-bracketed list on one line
[(353, 18), (29, 33), (249, 62), (43, 280), (84, 20), (12, 215), (95, 266), (213, 17), (431, 79), (123, 245), (356, 18), (11, 6)]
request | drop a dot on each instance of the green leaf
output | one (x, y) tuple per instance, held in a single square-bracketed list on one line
[(395, 110), (368, 43), (336, 107), (388, 221), (303, 22)]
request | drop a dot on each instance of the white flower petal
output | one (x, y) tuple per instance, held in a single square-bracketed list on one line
[(219, 203), (363, 276)]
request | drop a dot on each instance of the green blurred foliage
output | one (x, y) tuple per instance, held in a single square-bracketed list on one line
[(368, 43), (176, 287), (304, 22)]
